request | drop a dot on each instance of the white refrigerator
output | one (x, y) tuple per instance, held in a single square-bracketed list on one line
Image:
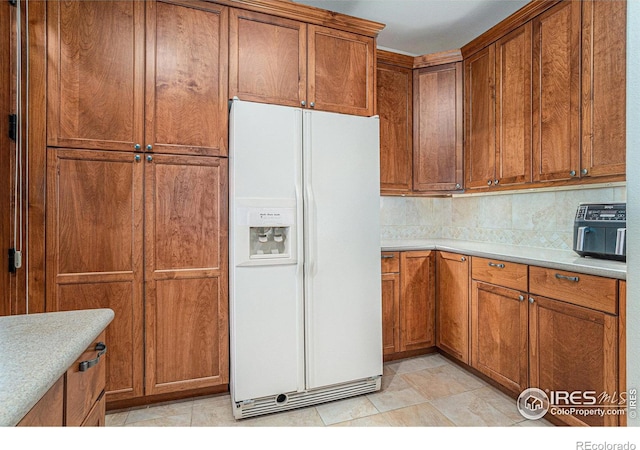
[(304, 257)]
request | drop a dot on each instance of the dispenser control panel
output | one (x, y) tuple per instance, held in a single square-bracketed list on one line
[(599, 212)]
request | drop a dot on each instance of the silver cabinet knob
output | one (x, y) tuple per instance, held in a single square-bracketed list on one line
[(489, 182), (149, 147), (137, 147), (521, 297), (531, 300), (496, 181), (137, 158), (149, 158), (572, 173), (584, 171), (463, 259), (458, 186), (312, 104), (303, 103)]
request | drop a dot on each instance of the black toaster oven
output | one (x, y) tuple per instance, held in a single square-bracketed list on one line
[(600, 230)]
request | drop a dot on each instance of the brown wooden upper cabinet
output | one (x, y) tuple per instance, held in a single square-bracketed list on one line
[(437, 128), (282, 61), (395, 109), (498, 112), (138, 76)]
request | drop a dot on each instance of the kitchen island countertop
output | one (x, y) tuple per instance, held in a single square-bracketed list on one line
[(543, 257), (36, 350)]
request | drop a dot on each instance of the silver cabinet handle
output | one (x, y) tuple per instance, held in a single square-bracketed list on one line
[(303, 103), (559, 276), (149, 158), (137, 158), (499, 266), (137, 147), (531, 300), (149, 147), (386, 256), (572, 173)]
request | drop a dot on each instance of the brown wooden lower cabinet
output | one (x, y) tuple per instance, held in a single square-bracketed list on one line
[(78, 397), (499, 321), (408, 302), (574, 349), (452, 304)]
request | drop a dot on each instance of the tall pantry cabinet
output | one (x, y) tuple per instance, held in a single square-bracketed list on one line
[(137, 185)]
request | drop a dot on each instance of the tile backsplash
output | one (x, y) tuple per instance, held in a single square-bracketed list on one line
[(531, 219)]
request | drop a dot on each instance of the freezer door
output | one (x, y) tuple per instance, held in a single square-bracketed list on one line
[(342, 248), (265, 294)]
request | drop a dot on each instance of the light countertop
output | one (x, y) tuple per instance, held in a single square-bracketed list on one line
[(550, 258), (36, 349)]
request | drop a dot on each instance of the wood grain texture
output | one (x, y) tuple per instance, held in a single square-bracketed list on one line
[(513, 107), (341, 71), (49, 411), (453, 305), (556, 93), (186, 78), (502, 273), (395, 108), (437, 59), (499, 326), (573, 349), (604, 46), (267, 58), (584, 290), (479, 123), (390, 262), (83, 389), (96, 417), (95, 74), (390, 313), (94, 251), (438, 131), (622, 343), (394, 59), (186, 304), (417, 300)]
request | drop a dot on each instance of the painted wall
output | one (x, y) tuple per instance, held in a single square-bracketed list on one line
[(633, 201), (530, 219)]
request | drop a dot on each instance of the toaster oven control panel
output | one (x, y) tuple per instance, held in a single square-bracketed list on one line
[(602, 212)]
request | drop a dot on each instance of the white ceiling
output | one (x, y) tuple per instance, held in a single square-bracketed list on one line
[(419, 27)]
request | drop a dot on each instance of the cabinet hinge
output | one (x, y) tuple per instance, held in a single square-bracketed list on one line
[(13, 126)]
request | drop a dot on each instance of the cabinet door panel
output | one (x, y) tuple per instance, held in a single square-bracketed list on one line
[(437, 162), (390, 313), (453, 305), (604, 47), (341, 71), (417, 300), (395, 108), (185, 271), (479, 113), (499, 334), (267, 58), (574, 349), (95, 74), (94, 251), (186, 95), (513, 107), (556, 89)]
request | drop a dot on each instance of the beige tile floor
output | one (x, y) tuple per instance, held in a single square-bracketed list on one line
[(424, 391)]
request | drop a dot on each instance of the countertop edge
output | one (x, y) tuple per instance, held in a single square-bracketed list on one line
[(60, 339), (588, 266)]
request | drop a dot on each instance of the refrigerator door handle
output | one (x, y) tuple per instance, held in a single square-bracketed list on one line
[(309, 204)]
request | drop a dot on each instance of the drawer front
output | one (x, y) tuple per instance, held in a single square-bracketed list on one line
[(84, 387), (584, 290), (501, 273), (390, 262)]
